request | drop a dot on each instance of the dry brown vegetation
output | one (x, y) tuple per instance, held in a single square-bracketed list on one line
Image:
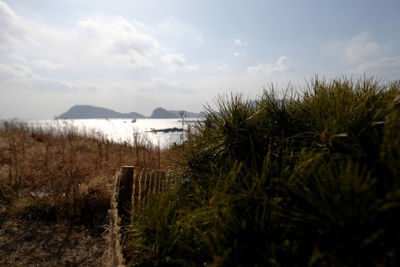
[(55, 192)]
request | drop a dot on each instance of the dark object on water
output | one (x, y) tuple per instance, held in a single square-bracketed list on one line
[(167, 130)]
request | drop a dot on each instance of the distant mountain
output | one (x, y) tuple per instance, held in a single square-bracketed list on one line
[(161, 113), (188, 114), (91, 112)]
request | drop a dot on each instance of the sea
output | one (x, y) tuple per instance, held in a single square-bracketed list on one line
[(157, 132)]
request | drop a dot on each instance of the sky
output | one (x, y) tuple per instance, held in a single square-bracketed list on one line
[(137, 55)]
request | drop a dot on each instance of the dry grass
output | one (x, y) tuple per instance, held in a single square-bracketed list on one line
[(56, 185)]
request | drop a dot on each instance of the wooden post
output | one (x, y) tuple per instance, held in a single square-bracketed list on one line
[(153, 181), (136, 189), (147, 184), (141, 186), (125, 193), (150, 181), (163, 181), (157, 186)]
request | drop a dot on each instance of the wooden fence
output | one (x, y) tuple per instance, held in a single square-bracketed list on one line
[(131, 186)]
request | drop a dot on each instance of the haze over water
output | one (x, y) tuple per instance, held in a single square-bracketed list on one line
[(121, 130)]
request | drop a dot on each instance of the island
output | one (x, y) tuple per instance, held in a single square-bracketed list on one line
[(93, 112)]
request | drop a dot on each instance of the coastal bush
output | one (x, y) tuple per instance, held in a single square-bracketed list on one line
[(307, 179)]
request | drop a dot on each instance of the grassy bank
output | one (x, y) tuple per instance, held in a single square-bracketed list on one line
[(295, 181), (55, 188)]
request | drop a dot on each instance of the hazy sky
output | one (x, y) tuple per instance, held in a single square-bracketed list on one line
[(137, 55)]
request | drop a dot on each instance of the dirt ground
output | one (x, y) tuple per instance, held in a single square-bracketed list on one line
[(26, 242)]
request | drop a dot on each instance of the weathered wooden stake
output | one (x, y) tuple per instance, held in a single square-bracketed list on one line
[(153, 181), (141, 186), (125, 193), (136, 189), (157, 186)]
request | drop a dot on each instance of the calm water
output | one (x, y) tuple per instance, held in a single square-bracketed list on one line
[(121, 130)]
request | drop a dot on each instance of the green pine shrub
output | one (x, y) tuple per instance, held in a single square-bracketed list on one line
[(303, 180)]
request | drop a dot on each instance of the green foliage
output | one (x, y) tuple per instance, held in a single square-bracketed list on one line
[(311, 180)]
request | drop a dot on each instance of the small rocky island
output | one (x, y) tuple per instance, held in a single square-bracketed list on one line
[(93, 112)]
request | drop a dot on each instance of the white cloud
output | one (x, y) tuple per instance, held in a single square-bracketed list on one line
[(119, 42), (360, 54), (389, 66), (358, 49), (21, 77), (46, 64), (224, 68), (283, 64), (177, 62), (179, 31), (240, 53), (13, 28), (239, 42), (239, 50), (17, 58), (107, 41)]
